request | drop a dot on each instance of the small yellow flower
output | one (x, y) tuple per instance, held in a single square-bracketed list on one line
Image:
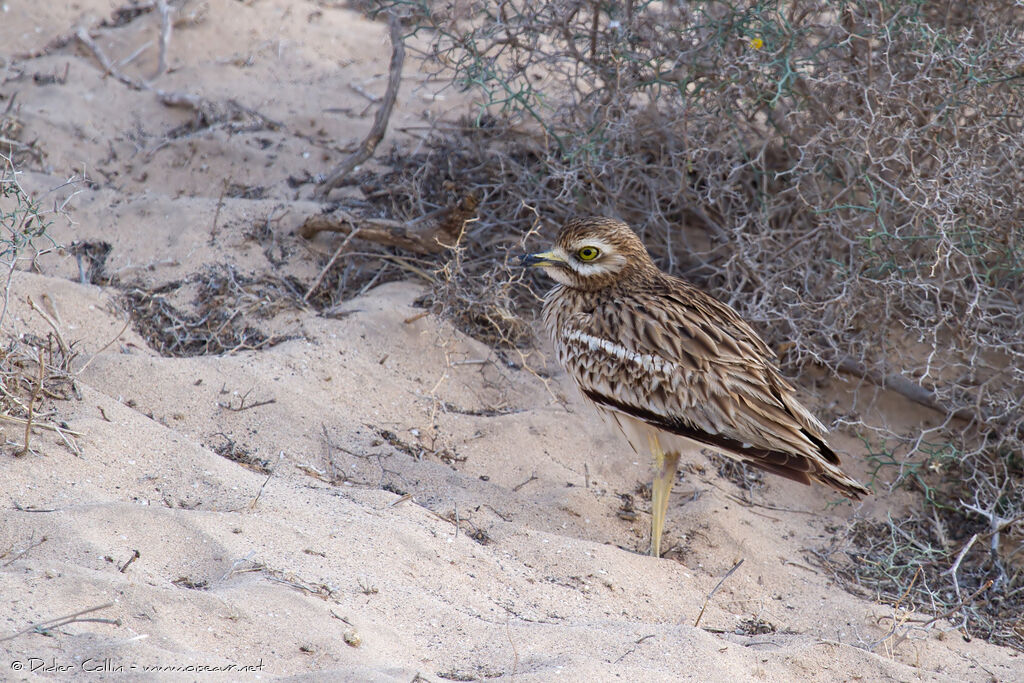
[(755, 44)]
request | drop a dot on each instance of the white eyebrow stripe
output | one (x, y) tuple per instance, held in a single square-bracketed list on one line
[(647, 361)]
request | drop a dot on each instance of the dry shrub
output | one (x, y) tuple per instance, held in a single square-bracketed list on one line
[(473, 282), (846, 175), (34, 370), (225, 304)]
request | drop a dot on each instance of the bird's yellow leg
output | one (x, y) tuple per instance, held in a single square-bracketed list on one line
[(664, 476)]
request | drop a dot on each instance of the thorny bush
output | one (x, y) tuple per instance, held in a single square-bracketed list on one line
[(847, 175), (33, 369)]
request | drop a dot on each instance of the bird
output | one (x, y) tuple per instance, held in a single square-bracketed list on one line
[(672, 367)]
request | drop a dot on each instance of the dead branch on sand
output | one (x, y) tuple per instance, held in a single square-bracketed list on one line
[(380, 121), (49, 625), (441, 232)]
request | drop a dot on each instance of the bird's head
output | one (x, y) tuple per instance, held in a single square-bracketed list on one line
[(592, 253)]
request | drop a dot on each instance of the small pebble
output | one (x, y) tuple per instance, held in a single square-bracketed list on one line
[(352, 638)]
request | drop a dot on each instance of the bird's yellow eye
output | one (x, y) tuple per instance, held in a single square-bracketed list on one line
[(588, 253)]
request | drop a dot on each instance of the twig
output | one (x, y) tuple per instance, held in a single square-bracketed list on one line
[(252, 505), (533, 477), (14, 559), (238, 562), (135, 555), (38, 425), (632, 649), (21, 508), (133, 56), (801, 566), (378, 230), (272, 124), (953, 610), (83, 36), (895, 622), (204, 107), (380, 121), (955, 567), (370, 96), (166, 25), (251, 405), (104, 348), (321, 590), (31, 405), (945, 615), (241, 402), (334, 257), (714, 590), (405, 265), (65, 348), (419, 316), (44, 626), (216, 213), (515, 652)]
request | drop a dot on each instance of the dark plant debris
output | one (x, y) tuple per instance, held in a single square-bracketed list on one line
[(226, 303)]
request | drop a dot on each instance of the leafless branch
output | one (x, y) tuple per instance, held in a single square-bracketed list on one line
[(380, 122)]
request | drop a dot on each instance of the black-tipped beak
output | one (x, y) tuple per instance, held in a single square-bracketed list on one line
[(546, 258)]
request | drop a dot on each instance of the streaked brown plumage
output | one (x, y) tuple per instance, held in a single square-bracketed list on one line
[(674, 368)]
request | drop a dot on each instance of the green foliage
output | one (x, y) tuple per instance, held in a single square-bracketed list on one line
[(22, 222), (23, 227)]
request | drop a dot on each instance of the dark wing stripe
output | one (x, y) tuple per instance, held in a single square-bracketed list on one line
[(787, 465), (823, 448)]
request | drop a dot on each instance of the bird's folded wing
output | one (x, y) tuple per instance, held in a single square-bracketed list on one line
[(705, 379)]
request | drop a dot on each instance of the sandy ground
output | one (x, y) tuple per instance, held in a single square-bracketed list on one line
[(360, 542)]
